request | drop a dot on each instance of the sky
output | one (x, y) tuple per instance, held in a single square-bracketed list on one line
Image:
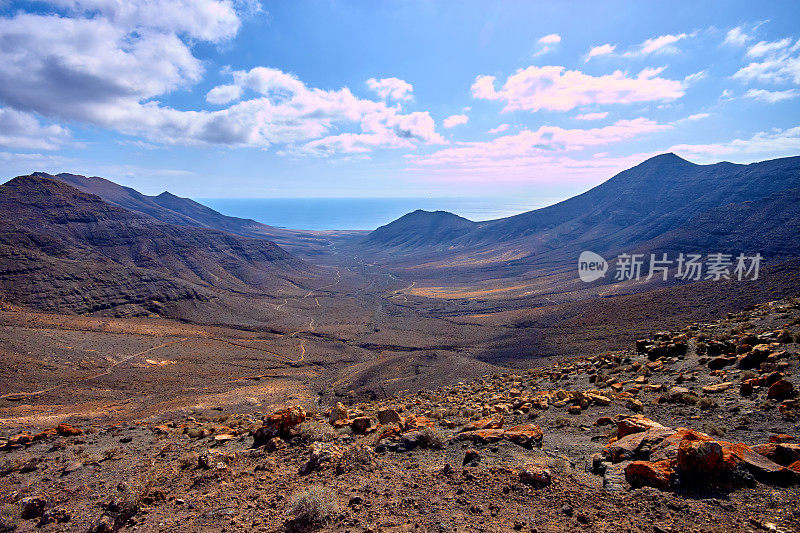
[(258, 99)]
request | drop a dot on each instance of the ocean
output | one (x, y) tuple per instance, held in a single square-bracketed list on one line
[(362, 213)]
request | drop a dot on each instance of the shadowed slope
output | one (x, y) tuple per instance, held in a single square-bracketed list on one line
[(63, 249)]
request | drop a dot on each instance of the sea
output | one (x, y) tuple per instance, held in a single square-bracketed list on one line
[(363, 213)]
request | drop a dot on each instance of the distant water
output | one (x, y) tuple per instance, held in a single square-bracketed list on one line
[(362, 213)]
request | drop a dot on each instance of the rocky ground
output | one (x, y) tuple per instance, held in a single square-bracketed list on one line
[(690, 430)]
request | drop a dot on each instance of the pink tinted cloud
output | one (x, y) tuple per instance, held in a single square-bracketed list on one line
[(554, 88), (527, 148)]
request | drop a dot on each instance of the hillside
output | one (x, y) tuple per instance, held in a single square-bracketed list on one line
[(165, 207), (637, 205), (696, 425), (66, 250), (421, 228)]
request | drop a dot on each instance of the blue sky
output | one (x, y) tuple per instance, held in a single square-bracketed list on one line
[(223, 98)]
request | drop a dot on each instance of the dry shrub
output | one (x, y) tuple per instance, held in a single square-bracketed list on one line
[(314, 506)]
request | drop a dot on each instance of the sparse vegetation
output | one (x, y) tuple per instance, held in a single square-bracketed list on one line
[(316, 431), (312, 507)]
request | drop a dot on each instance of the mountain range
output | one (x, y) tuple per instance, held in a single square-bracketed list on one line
[(66, 250), (665, 201)]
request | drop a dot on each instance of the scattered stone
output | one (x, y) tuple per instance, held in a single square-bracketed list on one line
[(718, 387), (65, 430), (32, 507), (389, 416), (535, 475), (338, 412), (781, 389)]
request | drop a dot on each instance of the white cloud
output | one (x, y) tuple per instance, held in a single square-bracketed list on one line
[(691, 79), (109, 63), (23, 131), (223, 94), (207, 20), (601, 50), (778, 62), (736, 37), (382, 129), (663, 44), (499, 129), (592, 116), (692, 118), (761, 144), (547, 44), (772, 97), (393, 88), (525, 147), (554, 88), (455, 120)]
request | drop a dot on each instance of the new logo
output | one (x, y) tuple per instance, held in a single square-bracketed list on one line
[(591, 266)]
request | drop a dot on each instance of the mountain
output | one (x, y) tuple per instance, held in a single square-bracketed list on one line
[(769, 226), (165, 207), (421, 228), (62, 249), (637, 205)]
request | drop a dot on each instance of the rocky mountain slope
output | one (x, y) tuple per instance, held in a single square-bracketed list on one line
[(690, 430), (69, 251), (656, 197), (421, 228), (165, 207)]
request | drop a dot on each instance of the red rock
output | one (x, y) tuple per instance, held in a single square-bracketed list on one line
[(46, 434), (635, 424), (279, 424), (795, 466), (781, 438), (413, 422), (628, 447), (495, 422), (20, 439), (647, 474), (481, 436), (758, 464), (699, 457), (782, 453), (603, 421), (780, 389), (65, 430), (526, 435)]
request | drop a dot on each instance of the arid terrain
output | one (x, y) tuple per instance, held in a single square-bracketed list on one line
[(583, 444), (169, 367)]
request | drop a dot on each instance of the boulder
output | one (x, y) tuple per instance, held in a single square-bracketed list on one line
[(634, 405), (636, 445), (647, 474), (495, 422), (278, 424), (699, 457), (526, 435), (535, 475), (322, 453), (389, 416), (781, 389), (753, 359), (338, 412), (718, 387), (481, 436), (65, 430), (635, 424), (361, 424)]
